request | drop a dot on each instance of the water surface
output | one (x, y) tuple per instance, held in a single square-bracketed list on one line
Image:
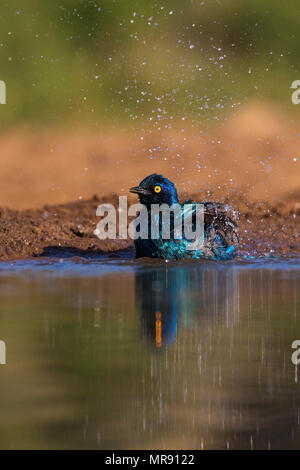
[(147, 354)]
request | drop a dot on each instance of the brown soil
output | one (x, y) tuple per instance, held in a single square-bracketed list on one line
[(256, 154), (251, 161), (67, 230)]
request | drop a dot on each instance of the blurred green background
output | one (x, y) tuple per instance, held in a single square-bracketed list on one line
[(144, 61)]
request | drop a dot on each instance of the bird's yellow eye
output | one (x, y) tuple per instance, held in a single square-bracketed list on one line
[(157, 189)]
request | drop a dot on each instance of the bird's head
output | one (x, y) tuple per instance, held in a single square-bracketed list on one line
[(155, 189)]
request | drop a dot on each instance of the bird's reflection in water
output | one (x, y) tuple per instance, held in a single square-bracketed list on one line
[(156, 301), (182, 297)]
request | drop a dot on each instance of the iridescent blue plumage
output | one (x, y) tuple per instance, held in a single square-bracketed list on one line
[(220, 232)]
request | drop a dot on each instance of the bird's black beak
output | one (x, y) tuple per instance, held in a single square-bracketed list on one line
[(140, 191)]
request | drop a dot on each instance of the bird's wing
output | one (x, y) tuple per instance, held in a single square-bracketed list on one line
[(217, 215)]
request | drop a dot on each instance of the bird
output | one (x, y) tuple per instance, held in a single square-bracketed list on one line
[(220, 238)]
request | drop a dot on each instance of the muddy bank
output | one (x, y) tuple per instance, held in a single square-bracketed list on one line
[(66, 230), (250, 161)]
